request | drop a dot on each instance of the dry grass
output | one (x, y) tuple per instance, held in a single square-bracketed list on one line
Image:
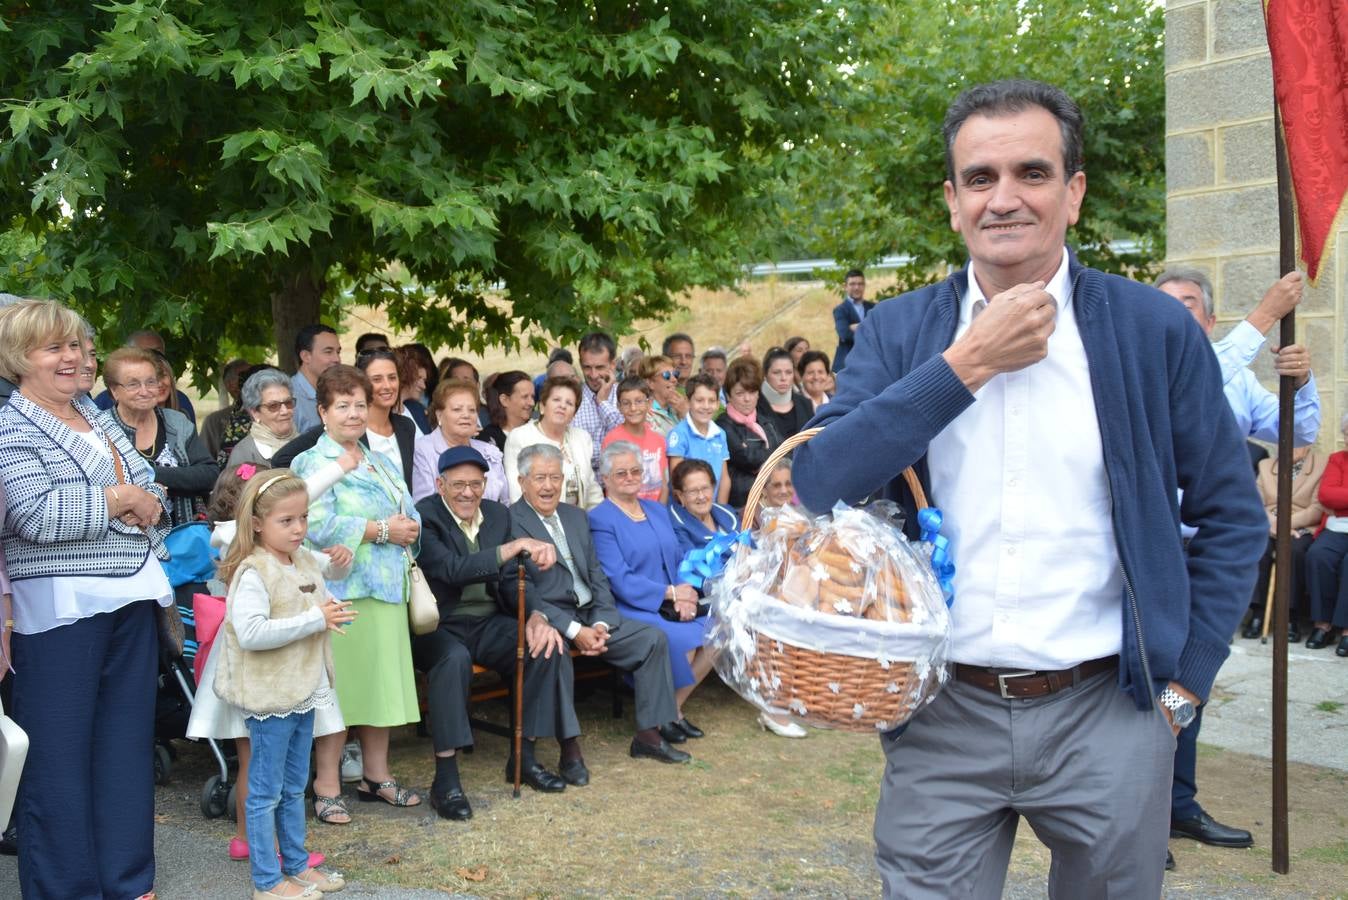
[(754, 815)]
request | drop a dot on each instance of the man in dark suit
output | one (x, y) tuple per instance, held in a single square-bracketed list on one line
[(848, 314), (465, 540), (574, 597)]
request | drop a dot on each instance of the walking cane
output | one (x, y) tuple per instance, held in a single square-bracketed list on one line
[(519, 674)]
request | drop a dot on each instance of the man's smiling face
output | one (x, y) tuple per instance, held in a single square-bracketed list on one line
[(1009, 199)]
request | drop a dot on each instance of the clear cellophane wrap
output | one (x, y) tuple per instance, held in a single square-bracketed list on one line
[(835, 621)]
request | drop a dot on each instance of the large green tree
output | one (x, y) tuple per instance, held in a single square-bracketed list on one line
[(873, 186), (228, 171)]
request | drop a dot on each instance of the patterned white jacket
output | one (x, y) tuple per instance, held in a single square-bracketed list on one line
[(56, 520)]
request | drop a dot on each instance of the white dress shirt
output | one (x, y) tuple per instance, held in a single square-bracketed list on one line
[(1020, 477)]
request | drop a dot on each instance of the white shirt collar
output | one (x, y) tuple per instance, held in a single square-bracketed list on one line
[(712, 428), (1059, 288)]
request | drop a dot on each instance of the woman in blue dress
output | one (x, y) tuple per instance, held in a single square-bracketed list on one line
[(697, 517), (639, 552)]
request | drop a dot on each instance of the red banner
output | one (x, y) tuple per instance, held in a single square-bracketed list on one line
[(1308, 40)]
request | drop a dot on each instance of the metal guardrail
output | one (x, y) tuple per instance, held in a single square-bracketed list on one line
[(893, 261)]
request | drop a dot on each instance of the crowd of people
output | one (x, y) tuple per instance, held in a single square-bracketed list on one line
[(580, 493), (320, 487)]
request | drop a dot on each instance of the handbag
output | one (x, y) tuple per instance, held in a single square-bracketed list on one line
[(668, 612), (168, 620), (13, 751), (423, 612)]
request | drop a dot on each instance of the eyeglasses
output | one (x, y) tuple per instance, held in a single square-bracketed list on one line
[(696, 492), (542, 478), (626, 473), (149, 384), (458, 487), (633, 404), (276, 405)]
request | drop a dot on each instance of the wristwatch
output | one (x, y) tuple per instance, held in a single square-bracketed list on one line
[(1182, 712)]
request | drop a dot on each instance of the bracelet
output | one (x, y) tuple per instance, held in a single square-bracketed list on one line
[(117, 498), (9, 623), (381, 537)]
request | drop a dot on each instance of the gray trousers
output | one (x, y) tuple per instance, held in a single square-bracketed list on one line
[(643, 651), (1086, 768)]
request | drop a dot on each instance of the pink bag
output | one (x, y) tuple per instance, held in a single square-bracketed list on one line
[(209, 611)]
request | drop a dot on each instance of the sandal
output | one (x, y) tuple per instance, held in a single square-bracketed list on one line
[(330, 810), (401, 796)]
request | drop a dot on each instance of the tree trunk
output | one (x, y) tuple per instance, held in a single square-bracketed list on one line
[(297, 302)]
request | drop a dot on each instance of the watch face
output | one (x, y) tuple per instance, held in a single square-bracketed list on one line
[(1183, 714)]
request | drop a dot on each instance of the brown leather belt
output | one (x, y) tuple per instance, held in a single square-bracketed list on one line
[(1020, 684)]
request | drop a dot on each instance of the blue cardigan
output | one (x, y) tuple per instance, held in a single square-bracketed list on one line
[(692, 533), (1164, 425)]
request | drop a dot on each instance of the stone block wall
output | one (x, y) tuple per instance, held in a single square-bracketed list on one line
[(1221, 186)]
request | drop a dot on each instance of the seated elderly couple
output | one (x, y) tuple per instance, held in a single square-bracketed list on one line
[(469, 550)]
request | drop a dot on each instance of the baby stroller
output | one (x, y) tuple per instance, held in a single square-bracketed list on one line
[(190, 565)]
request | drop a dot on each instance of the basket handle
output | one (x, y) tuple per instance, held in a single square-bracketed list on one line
[(791, 443)]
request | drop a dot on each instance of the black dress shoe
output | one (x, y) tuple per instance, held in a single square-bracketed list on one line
[(574, 772), (1169, 861), (1293, 634), (1207, 830), (537, 777), (1340, 650), (452, 804), (689, 728), (673, 733), (1320, 638), (661, 751), (9, 841), (1253, 629)]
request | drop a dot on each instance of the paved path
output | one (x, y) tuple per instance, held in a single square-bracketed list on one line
[(1237, 719)]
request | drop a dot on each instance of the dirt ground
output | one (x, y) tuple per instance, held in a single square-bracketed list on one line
[(754, 815)]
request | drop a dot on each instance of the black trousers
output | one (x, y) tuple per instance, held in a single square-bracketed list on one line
[(1297, 602), (85, 693), (1327, 578), (447, 655)]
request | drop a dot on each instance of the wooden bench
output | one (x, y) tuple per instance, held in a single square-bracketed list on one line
[(498, 688)]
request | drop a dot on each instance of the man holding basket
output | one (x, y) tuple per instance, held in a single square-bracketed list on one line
[(1052, 412)]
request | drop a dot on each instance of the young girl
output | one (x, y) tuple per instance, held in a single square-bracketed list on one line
[(634, 402), (275, 664), (212, 718)]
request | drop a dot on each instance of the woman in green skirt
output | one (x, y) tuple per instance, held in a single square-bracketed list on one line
[(368, 510)]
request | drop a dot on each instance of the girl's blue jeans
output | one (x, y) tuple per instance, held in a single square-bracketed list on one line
[(277, 776)]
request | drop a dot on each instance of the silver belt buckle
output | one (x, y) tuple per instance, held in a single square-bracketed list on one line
[(1001, 681)]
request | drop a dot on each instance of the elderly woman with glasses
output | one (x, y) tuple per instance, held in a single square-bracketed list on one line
[(697, 516), (270, 401), (639, 552), (164, 437)]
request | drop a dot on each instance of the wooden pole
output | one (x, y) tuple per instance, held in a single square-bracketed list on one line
[(519, 675), (1283, 571)]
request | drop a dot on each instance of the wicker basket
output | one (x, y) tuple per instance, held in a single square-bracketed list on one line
[(840, 691)]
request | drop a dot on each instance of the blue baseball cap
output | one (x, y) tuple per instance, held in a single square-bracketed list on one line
[(458, 456)]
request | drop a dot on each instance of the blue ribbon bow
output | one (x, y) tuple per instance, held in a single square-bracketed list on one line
[(703, 563), (929, 520)]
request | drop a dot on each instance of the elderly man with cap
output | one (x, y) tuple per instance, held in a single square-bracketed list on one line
[(465, 541)]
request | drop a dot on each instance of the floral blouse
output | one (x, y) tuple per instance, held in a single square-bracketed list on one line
[(373, 490)]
